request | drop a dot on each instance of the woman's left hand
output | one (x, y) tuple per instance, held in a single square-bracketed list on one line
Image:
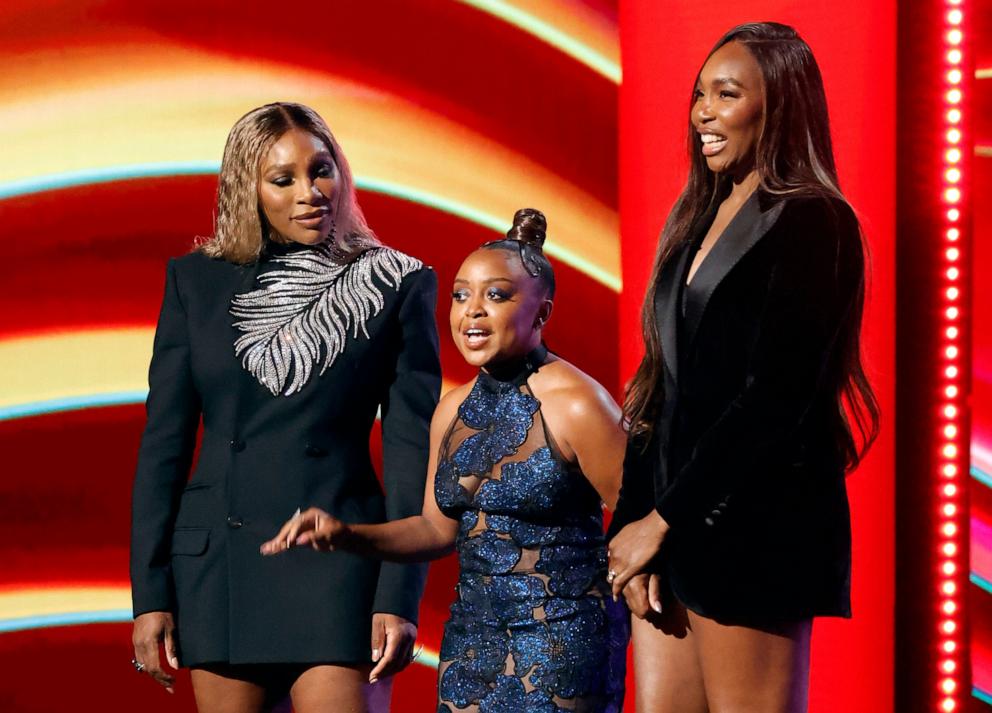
[(393, 638), (633, 547), (314, 527)]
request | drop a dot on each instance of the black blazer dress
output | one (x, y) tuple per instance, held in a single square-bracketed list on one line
[(743, 462), (280, 432)]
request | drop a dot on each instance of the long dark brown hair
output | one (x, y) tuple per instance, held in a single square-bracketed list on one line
[(793, 157)]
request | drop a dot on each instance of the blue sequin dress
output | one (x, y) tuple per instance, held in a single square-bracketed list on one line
[(533, 627)]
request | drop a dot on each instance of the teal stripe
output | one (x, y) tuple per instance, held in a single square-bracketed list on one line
[(116, 616), (549, 34), (980, 581), (108, 174), (107, 616), (981, 695), (410, 194), (71, 403), (981, 476)]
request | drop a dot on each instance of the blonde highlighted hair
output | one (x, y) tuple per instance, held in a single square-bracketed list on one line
[(240, 228)]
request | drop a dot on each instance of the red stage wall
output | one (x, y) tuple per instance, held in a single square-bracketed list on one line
[(664, 45)]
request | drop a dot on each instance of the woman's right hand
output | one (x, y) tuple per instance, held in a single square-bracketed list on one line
[(312, 527), (643, 594), (150, 630)]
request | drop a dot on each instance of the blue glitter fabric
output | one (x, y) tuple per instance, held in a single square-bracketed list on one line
[(533, 629)]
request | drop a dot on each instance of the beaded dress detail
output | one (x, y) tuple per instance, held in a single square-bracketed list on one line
[(533, 627)]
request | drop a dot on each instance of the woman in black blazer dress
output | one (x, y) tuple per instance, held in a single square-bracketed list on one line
[(284, 335), (733, 529)]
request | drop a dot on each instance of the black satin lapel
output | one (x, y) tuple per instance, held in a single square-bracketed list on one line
[(666, 304), (743, 233)]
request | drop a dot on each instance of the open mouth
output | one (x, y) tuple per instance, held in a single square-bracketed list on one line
[(712, 143), (476, 337)]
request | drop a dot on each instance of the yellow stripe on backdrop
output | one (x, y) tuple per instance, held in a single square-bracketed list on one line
[(77, 369), (151, 103)]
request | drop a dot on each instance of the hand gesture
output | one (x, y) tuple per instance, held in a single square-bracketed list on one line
[(314, 527), (393, 638)]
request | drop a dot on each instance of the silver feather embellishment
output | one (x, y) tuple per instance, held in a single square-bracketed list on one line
[(301, 315)]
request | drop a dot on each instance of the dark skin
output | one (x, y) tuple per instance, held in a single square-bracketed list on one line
[(497, 314), (687, 663), (297, 192)]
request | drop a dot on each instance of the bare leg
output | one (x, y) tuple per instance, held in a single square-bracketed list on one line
[(666, 667), (219, 690), (340, 689), (749, 670)]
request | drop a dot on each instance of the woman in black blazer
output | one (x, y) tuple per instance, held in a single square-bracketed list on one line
[(733, 529), (284, 335)]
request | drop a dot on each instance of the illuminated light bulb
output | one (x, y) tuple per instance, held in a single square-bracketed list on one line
[(954, 135), (954, 56), (950, 510), (948, 627), (952, 215), (953, 273), (949, 588), (950, 451), (954, 97), (952, 195), (947, 705), (947, 666), (948, 686), (953, 175), (953, 155), (954, 17), (951, 352), (953, 293), (950, 491), (952, 332), (951, 392), (953, 254), (950, 607), (950, 431), (955, 37), (951, 313), (950, 470), (951, 372), (950, 647), (954, 76)]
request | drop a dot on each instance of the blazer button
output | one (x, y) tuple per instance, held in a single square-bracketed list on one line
[(237, 445), (716, 513), (709, 521), (315, 451), (234, 522)]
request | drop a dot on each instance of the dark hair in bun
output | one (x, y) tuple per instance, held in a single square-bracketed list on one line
[(526, 239)]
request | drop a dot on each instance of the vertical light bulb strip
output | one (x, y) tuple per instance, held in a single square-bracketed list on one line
[(952, 443)]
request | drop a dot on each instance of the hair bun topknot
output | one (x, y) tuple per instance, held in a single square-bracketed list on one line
[(529, 227)]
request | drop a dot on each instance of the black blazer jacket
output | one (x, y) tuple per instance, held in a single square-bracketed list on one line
[(743, 462), (195, 544)]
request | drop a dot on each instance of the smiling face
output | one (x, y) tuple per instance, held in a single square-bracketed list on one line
[(497, 309), (728, 111), (297, 188)]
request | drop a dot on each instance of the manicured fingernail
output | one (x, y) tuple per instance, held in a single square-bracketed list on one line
[(375, 654), (373, 680), (656, 606)]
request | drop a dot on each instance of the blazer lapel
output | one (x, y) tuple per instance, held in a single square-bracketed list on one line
[(741, 234), (666, 304)]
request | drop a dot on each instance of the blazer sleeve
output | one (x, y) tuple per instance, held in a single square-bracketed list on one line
[(173, 414), (818, 273), (407, 408), (637, 487)]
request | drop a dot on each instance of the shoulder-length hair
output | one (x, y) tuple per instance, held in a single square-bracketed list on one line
[(240, 228), (793, 157)]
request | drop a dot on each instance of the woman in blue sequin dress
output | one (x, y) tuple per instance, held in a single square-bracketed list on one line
[(523, 457)]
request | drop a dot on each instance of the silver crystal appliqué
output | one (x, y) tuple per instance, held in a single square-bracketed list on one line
[(301, 315)]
